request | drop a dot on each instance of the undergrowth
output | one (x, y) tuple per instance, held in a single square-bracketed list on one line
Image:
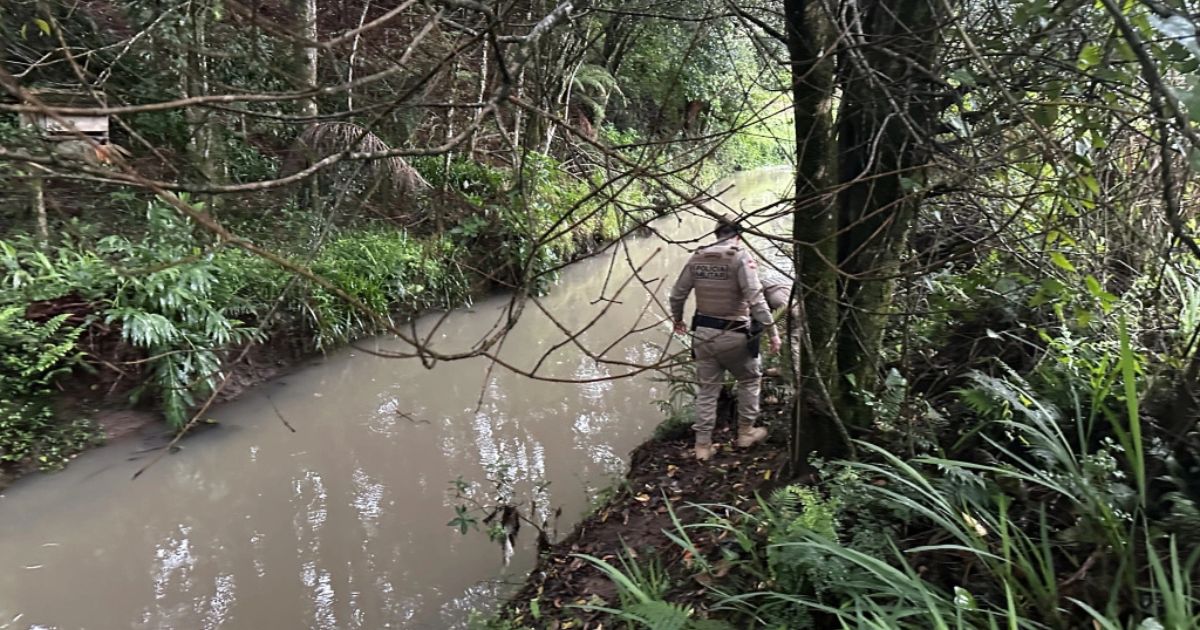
[(1055, 517)]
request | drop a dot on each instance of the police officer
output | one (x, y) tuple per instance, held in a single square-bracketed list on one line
[(728, 295), (777, 287)]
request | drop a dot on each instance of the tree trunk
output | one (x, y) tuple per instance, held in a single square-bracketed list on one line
[(39, 210), (473, 143), (810, 40), (303, 67), (849, 243), (354, 57), (883, 131), (304, 54), (204, 141)]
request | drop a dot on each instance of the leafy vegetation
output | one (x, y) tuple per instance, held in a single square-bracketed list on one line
[(32, 354)]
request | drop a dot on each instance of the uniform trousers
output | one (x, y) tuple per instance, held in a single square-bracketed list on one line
[(716, 352)]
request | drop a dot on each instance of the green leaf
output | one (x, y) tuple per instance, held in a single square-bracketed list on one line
[(1179, 29), (1045, 115), (1090, 56), (42, 25), (1061, 261), (1106, 299), (963, 76), (1090, 182), (1135, 448), (963, 599)]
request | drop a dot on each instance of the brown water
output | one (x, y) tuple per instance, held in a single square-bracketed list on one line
[(343, 524)]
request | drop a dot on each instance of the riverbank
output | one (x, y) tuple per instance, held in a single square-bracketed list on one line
[(640, 530), (113, 334), (264, 525)]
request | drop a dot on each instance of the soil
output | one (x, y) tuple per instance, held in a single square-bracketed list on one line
[(664, 477)]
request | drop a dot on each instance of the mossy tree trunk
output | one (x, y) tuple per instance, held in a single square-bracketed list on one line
[(858, 182), (810, 39)]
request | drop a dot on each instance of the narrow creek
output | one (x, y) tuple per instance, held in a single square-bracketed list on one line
[(343, 523)]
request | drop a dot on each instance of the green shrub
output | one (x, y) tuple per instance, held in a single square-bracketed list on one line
[(1020, 528), (387, 271), (168, 309), (29, 431), (32, 355)]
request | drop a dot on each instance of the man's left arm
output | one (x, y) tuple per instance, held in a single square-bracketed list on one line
[(752, 293)]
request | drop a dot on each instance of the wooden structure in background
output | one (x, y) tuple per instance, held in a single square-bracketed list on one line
[(73, 134)]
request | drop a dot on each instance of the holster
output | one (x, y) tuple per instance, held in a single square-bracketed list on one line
[(754, 343)]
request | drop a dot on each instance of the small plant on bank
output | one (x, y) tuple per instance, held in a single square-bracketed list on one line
[(641, 588), (678, 406), (32, 356)]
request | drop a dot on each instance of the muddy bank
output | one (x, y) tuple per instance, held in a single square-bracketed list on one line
[(664, 483)]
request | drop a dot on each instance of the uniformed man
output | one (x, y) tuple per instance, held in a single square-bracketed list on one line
[(729, 297), (777, 287)]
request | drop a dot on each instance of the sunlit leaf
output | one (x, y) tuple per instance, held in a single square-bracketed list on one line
[(1061, 261)]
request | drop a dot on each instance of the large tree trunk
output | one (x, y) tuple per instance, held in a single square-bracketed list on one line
[(849, 243), (810, 39), (883, 131)]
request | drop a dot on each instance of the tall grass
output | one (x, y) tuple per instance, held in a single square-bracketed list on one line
[(1050, 524)]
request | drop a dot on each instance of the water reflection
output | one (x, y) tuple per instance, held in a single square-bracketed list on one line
[(220, 603), (589, 371), (368, 496), (174, 557)]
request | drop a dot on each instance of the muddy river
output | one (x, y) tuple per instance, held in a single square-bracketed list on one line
[(343, 523)]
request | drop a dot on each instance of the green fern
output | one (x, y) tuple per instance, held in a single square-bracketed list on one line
[(657, 614), (641, 592), (593, 86), (34, 354)]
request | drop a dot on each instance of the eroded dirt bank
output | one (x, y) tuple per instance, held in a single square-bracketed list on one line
[(664, 483)]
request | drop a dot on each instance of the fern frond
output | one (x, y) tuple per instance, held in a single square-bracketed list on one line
[(658, 615)]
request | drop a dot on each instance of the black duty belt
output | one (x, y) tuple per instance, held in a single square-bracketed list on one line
[(752, 329), (705, 321)]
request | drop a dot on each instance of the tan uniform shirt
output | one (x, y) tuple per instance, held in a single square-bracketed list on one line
[(725, 278)]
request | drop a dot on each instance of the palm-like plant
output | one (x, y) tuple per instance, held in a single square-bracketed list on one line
[(391, 175), (593, 86)]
